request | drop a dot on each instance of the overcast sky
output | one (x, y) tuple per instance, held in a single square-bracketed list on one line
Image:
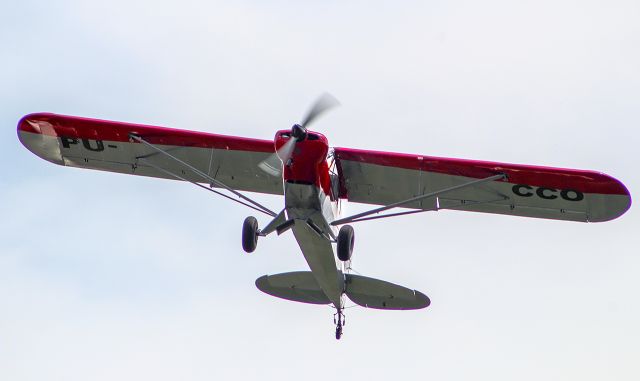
[(105, 276)]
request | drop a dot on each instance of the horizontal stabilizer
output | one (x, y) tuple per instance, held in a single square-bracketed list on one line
[(298, 286), (378, 294)]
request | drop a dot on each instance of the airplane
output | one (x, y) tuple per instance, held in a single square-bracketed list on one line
[(313, 178)]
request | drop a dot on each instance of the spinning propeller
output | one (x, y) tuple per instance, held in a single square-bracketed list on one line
[(272, 165)]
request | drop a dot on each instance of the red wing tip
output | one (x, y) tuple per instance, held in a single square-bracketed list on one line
[(621, 209), (27, 122), (623, 188)]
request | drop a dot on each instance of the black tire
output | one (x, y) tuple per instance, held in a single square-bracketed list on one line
[(346, 239), (250, 234)]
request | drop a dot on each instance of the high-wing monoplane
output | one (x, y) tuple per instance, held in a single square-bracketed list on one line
[(313, 177)]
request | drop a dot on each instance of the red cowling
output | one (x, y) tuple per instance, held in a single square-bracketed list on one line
[(308, 162)]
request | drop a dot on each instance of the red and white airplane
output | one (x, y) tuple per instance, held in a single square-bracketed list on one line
[(313, 178)]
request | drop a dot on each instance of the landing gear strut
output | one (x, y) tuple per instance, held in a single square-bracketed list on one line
[(339, 320)]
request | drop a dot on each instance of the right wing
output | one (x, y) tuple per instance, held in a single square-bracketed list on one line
[(105, 145), (384, 178)]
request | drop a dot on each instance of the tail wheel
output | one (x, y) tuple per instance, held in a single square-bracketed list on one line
[(250, 234), (345, 242)]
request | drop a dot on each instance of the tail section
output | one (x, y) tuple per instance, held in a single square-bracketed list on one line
[(298, 286), (301, 286), (378, 294)]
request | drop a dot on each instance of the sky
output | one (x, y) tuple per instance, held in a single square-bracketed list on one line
[(106, 276)]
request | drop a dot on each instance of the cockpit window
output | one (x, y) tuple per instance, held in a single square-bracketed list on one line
[(312, 137)]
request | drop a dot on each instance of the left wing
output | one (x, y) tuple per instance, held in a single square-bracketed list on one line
[(106, 145), (385, 178)]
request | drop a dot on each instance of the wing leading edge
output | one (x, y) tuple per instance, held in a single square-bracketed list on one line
[(106, 145), (383, 178)]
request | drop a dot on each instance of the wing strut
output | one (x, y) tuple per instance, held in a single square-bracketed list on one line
[(362, 216), (149, 163), (255, 205)]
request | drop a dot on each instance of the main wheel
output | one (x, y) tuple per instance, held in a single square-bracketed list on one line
[(250, 234), (345, 242)]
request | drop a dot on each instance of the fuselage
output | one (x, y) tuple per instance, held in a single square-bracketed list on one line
[(310, 202)]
